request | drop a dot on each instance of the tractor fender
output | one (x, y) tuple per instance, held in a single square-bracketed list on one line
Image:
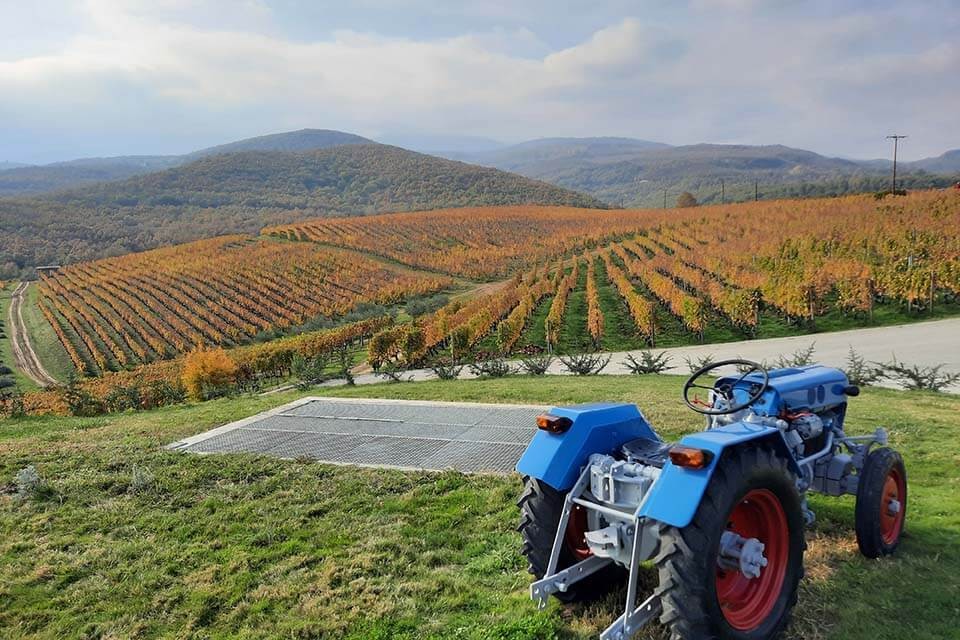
[(558, 458), (675, 496)]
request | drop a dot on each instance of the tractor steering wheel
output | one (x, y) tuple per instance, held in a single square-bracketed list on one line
[(725, 390)]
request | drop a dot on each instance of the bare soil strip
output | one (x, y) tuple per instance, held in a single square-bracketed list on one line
[(24, 356)]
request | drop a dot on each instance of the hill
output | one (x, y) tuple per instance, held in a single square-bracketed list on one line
[(636, 172), (64, 175), (302, 140), (242, 192), (17, 179), (6, 165), (948, 162)]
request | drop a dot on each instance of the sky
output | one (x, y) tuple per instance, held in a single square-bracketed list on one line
[(119, 77)]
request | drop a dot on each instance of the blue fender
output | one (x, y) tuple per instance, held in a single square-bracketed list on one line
[(557, 458), (675, 496)]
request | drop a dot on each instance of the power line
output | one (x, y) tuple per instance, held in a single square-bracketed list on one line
[(896, 139)]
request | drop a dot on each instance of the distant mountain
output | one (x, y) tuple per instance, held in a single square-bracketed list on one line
[(74, 173), (445, 146), (636, 172), (949, 162), (64, 175), (546, 155), (242, 192), (302, 140), (6, 164)]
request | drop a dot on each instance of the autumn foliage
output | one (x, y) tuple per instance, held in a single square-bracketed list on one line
[(208, 372)]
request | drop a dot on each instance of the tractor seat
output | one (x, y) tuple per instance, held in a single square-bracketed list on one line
[(647, 451)]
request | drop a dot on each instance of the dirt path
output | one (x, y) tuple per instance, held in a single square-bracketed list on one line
[(24, 356)]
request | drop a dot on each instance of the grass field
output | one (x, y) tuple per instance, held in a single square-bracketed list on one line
[(252, 547)]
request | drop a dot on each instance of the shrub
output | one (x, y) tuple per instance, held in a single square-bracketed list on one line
[(460, 341), (695, 364), (393, 372), (208, 373), (344, 363), (29, 484), (160, 393), (585, 364), (859, 372), (799, 358), (5, 370), (447, 369), (79, 401), (121, 398), (412, 345), (491, 368), (310, 370), (141, 479), (917, 378), (536, 364), (11, 404), (649, 362), (422, 306)]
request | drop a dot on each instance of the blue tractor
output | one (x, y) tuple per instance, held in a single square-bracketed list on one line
[(721, 514)]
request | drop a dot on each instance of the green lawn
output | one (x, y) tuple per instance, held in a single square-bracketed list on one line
[(251, 547)]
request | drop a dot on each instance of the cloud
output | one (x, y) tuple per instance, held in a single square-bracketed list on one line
[(173, 73)]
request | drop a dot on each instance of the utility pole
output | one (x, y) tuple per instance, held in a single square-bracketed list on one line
[(664, 198), (896, 139), (723, 193), (756, 190)]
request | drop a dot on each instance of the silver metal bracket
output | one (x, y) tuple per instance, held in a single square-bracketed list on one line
[(561, 581), (629, 623)]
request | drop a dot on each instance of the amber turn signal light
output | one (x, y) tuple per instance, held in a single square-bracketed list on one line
[(553, 424), (689, 457)]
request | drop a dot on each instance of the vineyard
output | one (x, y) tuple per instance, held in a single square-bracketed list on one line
[(479, 242), (117, 313), (565, 279), (735, 272)]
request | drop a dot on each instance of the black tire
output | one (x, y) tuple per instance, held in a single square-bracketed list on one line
[(877, 534), (687, 560), (540, 509)]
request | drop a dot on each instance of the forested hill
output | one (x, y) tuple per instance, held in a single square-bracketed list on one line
[(302, 140), (637, 172), (242, 192), (30, 180)]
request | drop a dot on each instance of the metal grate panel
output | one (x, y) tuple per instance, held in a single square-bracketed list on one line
[(388, 433)]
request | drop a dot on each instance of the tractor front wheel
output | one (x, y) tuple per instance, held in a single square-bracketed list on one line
[(733, 572), (540, 508), (881, 503)]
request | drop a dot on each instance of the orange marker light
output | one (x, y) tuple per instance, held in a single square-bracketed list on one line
[(690, 458), (553, 424)]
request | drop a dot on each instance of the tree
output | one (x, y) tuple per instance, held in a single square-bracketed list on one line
[(686, 199)]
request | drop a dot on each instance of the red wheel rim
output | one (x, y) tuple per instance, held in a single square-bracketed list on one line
[(746, 603), (575, 535), (894, 489)]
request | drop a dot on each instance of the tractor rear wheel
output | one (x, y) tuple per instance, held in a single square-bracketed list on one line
[(881, 503), (752, 494), (540, 509)]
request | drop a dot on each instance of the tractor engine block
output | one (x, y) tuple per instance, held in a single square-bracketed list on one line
[(619, 485)]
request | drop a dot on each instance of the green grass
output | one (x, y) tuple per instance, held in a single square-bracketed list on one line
[(251, 547)]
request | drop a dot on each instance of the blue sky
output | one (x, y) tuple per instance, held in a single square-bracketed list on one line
[(110, 77)]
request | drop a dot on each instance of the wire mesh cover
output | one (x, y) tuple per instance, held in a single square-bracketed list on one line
[(415, 435)]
